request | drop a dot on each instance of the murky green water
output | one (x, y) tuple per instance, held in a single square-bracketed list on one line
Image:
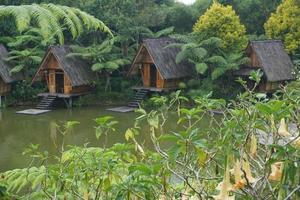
[(18, 131)]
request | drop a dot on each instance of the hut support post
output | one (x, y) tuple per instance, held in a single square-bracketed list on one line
[(70, 102), (0, 101)]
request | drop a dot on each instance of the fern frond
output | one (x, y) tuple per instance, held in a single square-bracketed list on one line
[(73, 22), (16, 69), (217, 73), (212, 42), (182, 55), (48, 18), (20, 13), (217, 60), (61, 13), (201, 68), (98, 66), (164, 32), (91, 22)]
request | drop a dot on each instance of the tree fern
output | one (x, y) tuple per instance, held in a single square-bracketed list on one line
[(21, 14), (50, 18), (60, 13), (106, 57)]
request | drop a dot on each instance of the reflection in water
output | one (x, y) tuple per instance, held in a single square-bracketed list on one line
[(18, 131), (53, 132)]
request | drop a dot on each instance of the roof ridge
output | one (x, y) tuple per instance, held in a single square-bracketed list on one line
[(265, 41)]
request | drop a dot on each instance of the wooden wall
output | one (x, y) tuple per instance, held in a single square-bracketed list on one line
[(173, 83), (146, 75), (160, 82), (4, 88), (67, 85), (80, 89), (52, 81), (146, 61), (51, 62), (254, 60)]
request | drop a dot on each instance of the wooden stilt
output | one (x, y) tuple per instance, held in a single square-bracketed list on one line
[(70, 103)]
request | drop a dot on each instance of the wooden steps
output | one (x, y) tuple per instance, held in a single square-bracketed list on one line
[(138, 98), (46, 103)]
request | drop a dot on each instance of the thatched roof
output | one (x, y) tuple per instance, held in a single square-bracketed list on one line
[(164, 58), (273, 59), (5, 68), (78, 71)]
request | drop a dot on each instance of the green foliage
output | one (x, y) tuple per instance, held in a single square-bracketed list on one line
[(196, 156), (284, 23), (22, 91), (104, 125), (27, 51), (105, 58), (182, 17), (253, 13), (212, 64), (222, 22), (49, 17)]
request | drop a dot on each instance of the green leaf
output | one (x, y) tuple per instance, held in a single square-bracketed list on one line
[(103, 120), (201, 156), (16, 69), (201, 68), (168, 137), (154, 121), (129, 134)]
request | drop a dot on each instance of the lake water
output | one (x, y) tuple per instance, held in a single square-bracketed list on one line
[(18, 131)]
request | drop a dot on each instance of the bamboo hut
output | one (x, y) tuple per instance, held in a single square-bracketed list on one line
[(6, 78), (65, 76), (156, 64), (271, 58)]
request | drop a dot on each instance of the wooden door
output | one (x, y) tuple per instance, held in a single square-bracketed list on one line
[(146, 75), (153, 75), (67, 85), (52, 85)]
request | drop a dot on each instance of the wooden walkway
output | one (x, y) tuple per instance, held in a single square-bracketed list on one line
[(151, 89), (32, 112), (122, 109), (61, 95)]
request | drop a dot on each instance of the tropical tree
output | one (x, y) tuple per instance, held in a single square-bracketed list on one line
[(105, 58), (146, 32), (284, 24), (259, 10), (210, 61), (222, 22), (53, 19), (182, 17), (27, 50)]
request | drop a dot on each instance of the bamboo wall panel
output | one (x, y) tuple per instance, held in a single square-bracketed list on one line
[(173, 83), (159, 81), (146, 75), (67, 85), (271, 86), (4, 88), (52, 85), (52, 62), (80, 89), (254, 60)]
